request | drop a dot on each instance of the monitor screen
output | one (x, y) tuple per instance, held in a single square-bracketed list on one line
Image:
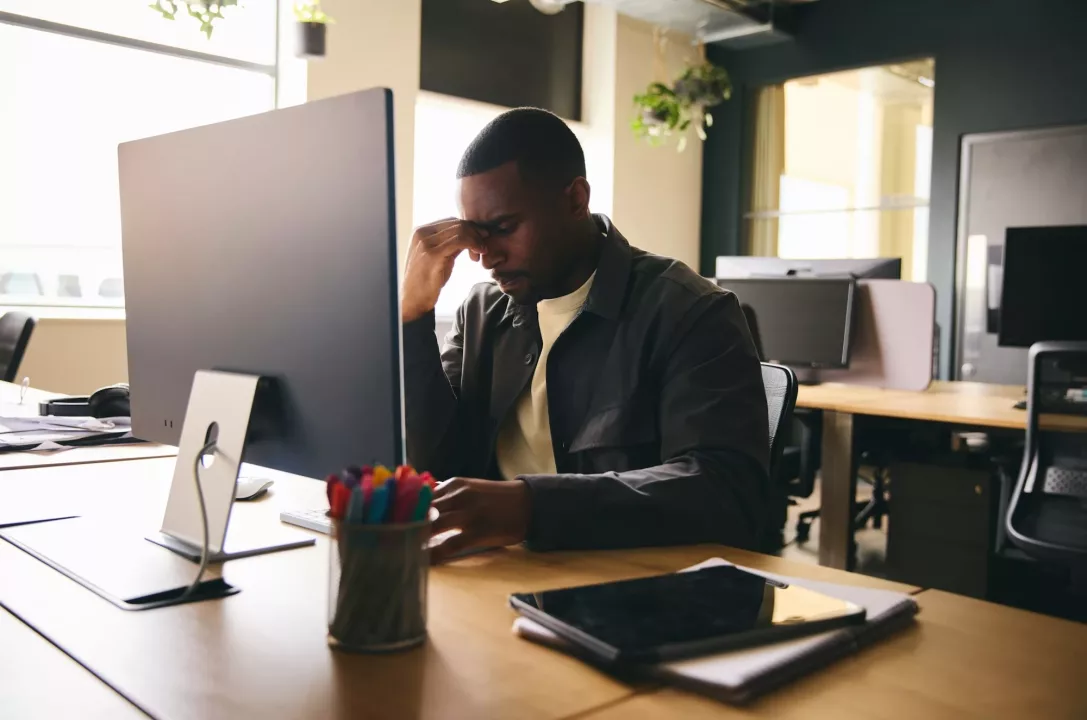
[(1043, 296), (804, 322)]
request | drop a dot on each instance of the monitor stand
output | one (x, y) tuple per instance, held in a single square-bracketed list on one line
[(220, 409)]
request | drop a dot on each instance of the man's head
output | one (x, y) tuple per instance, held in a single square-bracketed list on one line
[(523, 187)]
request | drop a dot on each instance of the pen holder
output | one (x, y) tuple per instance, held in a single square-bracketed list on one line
[(377, 586)]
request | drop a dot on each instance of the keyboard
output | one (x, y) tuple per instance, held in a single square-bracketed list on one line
[(310, 519)]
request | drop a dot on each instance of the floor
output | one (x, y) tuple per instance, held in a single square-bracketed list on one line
[(1027, 586), (871, 543)]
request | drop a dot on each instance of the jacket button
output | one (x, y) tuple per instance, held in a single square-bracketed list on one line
[(528, 359)]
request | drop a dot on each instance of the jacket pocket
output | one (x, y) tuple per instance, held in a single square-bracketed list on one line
[(620, 427)]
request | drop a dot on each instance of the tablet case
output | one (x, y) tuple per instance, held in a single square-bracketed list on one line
[(740, 675), (115, 563)]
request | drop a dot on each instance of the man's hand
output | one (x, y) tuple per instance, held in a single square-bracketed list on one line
[(488, 513), (431, 254)]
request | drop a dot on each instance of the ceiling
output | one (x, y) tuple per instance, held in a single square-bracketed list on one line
[(709, 20), (909, 82)]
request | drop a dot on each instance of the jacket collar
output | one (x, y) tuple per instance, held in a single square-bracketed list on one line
[(610, 286)]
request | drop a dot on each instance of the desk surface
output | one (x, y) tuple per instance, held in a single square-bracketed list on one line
[(963, 658), (84, 455), (39, 681), (262, 653), (960, 403), (10, 404)]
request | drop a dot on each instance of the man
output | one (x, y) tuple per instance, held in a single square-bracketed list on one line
[(617, 393)]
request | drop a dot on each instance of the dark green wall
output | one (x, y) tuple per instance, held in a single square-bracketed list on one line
[(1000, 65)]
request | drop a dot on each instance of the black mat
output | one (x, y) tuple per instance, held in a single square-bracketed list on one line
[(115, 562)]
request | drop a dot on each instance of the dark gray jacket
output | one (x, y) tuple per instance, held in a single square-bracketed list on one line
[(655, 395)]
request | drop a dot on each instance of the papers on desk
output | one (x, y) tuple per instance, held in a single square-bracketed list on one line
[(58, 433), (739, 675)]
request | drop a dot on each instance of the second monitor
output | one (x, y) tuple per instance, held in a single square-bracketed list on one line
[(801, 322)]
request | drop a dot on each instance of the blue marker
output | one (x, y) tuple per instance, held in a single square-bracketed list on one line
[(355, 506), (379, 501)]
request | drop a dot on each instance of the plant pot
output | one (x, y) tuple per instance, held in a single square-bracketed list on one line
[(310, 39)]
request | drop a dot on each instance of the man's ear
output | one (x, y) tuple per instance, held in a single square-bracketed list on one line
[(578, 195)]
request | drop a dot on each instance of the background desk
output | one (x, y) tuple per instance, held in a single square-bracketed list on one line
[(9, 403), (971, 405), (262, 653)]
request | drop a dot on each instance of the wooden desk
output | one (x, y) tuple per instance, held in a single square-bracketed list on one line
[(966, 404), (39, 681), (964, 658), (84, 455), (958, 403), (262, 653)]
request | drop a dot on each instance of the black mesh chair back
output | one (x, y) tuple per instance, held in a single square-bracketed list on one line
[(15, 331)]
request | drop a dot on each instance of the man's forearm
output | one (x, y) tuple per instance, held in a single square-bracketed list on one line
[(430, 402), (702, 497)]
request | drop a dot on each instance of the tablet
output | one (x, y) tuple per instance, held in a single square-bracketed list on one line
[(683, 614)]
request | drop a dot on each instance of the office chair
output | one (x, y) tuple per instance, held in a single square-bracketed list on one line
[(1047, 512), (779, 383), (797, 465), (15, 331)]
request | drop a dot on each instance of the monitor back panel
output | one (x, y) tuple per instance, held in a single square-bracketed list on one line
[(266, 245)]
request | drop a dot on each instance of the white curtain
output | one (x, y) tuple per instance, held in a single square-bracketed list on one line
[(769, 166)]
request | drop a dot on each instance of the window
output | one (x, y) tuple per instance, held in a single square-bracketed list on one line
[(76, 79), (846, 175)]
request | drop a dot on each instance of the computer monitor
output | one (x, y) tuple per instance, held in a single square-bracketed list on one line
[(1042, 297), (802, 322), (743, 267), (266, 245)]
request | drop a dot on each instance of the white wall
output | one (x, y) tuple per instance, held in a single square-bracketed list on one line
[(657, 202), (375, 43), (76, 356)]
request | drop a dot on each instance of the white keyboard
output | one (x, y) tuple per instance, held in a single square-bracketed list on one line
[(310, 519)]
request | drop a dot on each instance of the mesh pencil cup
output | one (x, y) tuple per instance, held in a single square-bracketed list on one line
[(377, 585)]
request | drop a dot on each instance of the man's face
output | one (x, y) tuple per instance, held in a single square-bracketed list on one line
[(527, 232)]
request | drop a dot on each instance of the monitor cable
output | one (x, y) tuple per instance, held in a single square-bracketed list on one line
[(204, 555)]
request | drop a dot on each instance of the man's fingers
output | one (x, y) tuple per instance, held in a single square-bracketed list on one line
[(453, 546), (448, 487), (448, 520), (437, 225), (461, 238), (439, 237)]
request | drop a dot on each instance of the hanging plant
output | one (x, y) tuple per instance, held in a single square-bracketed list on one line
[(660, 114), (206, 11), (665, 110), (704, 84), (312, 29)]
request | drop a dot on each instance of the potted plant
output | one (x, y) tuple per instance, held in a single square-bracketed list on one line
[(206, 11), (664, 111), (700, 87), (660, 114), (312, 24)]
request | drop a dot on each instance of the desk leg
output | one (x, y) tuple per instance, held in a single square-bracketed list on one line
[(839, 488)]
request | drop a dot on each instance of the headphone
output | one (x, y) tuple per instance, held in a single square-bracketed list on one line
[(110, 401)]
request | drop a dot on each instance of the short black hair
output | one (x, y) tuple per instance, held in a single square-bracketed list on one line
[(545, 149)]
